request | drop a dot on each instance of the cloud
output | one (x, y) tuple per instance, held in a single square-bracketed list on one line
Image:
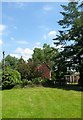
[(52, 34), (60, 47), (37, 45), (1, 42), (2, 28), (44, 37), (25, 53), (14, 55), (12, 38), (47, 8), (20, 5), (22, 42), (17, 4), (43, 27), (15, 27)]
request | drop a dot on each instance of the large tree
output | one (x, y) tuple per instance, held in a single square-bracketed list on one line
[(45, 55), (37, 56), (71, 36), (11, 61)]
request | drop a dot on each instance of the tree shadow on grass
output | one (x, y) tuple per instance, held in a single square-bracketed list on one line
[(63, 85), (70, 87)]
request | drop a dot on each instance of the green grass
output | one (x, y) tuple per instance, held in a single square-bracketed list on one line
[(41, 103), (0, 104)]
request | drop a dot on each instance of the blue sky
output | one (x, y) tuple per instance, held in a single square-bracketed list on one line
[(25, 26)]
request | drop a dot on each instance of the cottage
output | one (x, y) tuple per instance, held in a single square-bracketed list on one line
[(45, 71)]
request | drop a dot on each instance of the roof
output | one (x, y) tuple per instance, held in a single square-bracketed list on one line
[(74, 73), (44, 63)]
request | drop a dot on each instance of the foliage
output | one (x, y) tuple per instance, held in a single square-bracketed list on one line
[(26, 83), (10, 78), (60, 82), (36, 81), (28, 70), (0, 65), (60, 66), (33, 73), (45, 55), (23, 69), (47, 83), (11, 61), (0, 79), (38, 56), (72, 23)]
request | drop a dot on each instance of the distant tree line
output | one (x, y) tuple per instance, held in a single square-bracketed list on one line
[(18, 71)]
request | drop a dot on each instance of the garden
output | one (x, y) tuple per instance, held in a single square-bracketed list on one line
[(36, 87)]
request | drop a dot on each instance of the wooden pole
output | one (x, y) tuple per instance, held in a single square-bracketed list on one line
[(3, 63)]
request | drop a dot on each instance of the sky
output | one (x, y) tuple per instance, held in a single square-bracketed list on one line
[(27, 25)]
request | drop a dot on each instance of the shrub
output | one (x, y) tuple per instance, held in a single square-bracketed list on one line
[(30, 82), (47, 83), (60, 82), (24, 82), (10, 78), (36, 81)]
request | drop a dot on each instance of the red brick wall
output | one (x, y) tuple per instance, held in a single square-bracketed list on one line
[(44, 69)]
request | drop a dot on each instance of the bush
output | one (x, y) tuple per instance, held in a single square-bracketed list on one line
[(36, 81), (46, 82), (10, 78), (42, 82), (26, 83), (60, 82)]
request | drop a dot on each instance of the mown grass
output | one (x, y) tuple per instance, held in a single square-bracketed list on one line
[(0, 104), (41, 102)]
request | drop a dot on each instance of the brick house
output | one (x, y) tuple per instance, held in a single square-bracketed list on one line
[(45, 71)]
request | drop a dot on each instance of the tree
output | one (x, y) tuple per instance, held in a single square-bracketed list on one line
[(72, 31), (23, 69), (11, 61), (27, 70), (44, 55), (0, 66), (38, 56)]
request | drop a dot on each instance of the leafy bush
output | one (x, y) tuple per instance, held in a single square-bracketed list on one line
[(26, 83), (10, 78), (43, 82), (30, 83), (36, 81)]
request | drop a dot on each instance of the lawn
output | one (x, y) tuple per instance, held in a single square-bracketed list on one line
[(41, 102)]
